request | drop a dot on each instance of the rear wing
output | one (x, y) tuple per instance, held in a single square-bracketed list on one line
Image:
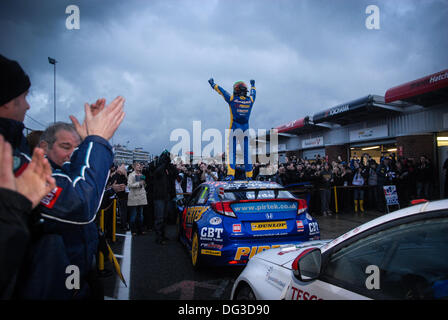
[(222, 191)]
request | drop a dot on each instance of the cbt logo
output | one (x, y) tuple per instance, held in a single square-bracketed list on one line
[(208, 233)]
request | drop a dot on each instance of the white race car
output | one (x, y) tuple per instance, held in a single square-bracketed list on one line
[(401, 255)]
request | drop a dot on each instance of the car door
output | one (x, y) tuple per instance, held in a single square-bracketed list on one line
[(186, 224), (196, 207), (404, 259)]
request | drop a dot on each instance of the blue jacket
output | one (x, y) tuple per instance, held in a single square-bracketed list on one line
[(240, 107), (67, 223)]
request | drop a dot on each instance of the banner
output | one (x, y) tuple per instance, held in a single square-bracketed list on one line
[(390, 192)]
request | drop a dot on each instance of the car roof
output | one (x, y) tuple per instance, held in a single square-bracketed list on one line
[(399, 214), (243, 184)]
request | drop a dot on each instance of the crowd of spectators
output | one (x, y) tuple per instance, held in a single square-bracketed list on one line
[(359, 184)]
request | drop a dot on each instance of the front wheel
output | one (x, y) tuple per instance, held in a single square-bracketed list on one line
[(195, 254), (245, 293), (178, 228)]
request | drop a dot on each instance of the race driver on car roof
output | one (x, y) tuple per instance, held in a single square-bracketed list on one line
[(240, 108)]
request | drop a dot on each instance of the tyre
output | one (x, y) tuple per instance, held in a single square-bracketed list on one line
[(178, 228), (245, 293), (195, 251)]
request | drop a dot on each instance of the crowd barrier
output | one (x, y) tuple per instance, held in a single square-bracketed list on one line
[(102, 228)]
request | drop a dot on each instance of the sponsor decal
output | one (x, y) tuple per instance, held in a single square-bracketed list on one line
[(279, 206), (277, 225), (276, 282), (249, 252), (195, 213), (50, 199), (211, 245), (236, 227), (314, 228), (215, 221), (209, 233), (300, 227), (211, 252), (298, 294)]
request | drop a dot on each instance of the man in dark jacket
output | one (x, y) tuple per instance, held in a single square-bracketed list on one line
[(17, 197), (67, 215), (164, 192), (14, 85)]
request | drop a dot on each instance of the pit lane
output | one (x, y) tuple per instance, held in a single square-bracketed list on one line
[(165, 272)]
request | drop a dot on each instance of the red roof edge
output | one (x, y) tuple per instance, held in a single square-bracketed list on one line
[(299, 123), (413, 88)]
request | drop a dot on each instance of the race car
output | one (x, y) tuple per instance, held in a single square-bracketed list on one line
[(226, 223), (401, 255)]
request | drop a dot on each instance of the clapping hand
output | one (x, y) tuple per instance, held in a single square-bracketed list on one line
[(100, 120)]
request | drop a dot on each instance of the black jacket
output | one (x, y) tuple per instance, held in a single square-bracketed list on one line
[(14, 238), (164, 187), (14, 211)]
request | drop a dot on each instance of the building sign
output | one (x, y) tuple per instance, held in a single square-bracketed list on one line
[(313, 142), (342, 109), (368, 133)]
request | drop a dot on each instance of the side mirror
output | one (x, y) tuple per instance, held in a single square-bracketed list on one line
[(306, 266)]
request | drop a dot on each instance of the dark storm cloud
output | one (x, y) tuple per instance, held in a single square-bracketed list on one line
[(305, 56)]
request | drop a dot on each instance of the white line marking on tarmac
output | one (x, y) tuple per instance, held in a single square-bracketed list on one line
[(123, 291)]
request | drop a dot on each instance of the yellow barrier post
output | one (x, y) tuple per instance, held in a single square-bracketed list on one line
[(335, 200), (101, 255), (114, 221)]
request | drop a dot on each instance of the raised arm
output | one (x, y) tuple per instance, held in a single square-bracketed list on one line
[(252, 90), (220, 90)]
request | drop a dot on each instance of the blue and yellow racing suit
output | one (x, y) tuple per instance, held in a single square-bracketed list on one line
[(240, 109)]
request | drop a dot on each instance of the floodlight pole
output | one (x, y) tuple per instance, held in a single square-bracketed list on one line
[(53, 62)]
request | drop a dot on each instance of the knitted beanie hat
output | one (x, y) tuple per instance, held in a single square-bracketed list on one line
[(13, 80)]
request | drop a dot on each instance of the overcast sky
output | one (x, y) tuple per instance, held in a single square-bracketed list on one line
[(305, 56)]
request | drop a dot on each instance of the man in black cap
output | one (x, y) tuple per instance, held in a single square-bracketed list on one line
[(14, 85)]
